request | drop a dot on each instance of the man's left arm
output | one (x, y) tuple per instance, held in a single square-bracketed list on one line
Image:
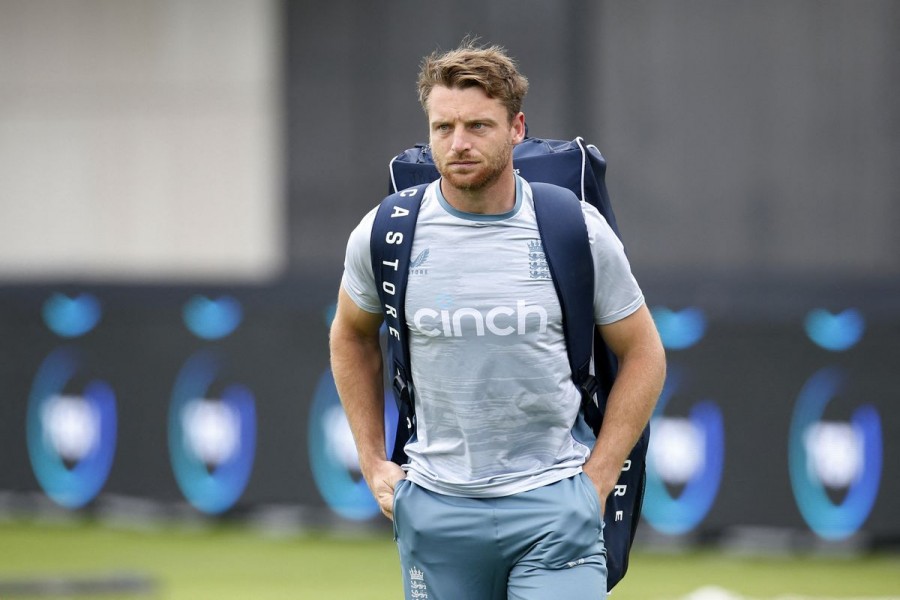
[(642, 372)]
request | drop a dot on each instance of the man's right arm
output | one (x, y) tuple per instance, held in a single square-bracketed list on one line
[(357, 366)]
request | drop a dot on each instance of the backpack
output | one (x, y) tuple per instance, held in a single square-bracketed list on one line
[(577, 171)]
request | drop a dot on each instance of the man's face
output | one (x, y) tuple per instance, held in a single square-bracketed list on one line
[(471, 136)]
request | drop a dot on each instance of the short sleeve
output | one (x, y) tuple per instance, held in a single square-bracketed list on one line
[(616, 291), (358, 280)]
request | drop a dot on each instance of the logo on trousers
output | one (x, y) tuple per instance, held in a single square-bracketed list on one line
[(417, 587)]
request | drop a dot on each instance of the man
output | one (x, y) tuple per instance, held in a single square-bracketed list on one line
[(501, 497)]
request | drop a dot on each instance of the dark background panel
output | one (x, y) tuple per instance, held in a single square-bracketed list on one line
[(748, 138), (752, 368)]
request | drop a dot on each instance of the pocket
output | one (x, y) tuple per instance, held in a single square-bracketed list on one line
[(593, 496), (398, 488)]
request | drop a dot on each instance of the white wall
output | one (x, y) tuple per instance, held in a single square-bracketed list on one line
[(138, 140)]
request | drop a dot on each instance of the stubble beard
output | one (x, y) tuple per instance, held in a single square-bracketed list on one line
[(489, 171)]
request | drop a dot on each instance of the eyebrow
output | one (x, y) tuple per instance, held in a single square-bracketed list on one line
[(486, 120)]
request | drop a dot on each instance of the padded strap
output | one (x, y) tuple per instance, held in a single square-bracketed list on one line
[(390, 244), (567, 248)]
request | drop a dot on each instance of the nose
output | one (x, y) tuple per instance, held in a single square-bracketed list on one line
[(460, 143)]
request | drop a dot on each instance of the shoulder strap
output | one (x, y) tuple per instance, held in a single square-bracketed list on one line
[(390, 244), (565, 239), (568, 252)]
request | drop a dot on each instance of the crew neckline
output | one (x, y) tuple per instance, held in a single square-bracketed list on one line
[(479, 217)]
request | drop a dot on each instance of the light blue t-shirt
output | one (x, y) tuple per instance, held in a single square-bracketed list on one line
[(495, 402)]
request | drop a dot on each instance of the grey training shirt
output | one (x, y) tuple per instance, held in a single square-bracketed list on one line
[(495, 402)]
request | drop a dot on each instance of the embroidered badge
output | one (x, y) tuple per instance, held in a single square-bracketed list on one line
[(417, 586), (417, 265), (537, 261)]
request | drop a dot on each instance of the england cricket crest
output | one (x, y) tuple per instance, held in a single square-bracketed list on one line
[(417, 588), (537, 261)]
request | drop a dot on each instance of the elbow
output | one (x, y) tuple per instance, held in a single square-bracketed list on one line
[(661, 369), (648, 360), (656, 361)]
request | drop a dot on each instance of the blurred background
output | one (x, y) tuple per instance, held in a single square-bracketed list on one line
[(178, 179)]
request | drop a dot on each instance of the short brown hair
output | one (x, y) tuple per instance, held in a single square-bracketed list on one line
[(490, 68)]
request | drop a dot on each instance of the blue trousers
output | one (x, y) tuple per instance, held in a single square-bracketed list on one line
[(544, 544)]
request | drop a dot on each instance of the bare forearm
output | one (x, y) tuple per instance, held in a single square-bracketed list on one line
[(628, 409), (639, 382), (356, 364)]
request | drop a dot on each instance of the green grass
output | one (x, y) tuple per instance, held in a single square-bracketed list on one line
[(669, 577), (235, 563)]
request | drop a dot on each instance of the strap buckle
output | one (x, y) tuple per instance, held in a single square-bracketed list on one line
[(404, 394), (592, 415)]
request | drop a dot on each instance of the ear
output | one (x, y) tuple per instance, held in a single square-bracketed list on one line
[(518, 128)]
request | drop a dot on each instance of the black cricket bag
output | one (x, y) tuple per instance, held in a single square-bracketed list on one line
[(576, 171)]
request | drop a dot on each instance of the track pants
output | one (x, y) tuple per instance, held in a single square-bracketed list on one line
[(544, 544)]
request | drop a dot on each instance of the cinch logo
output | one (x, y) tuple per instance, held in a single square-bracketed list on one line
[(840, 456), (333, 457), (71, 433), (687, 453), (500, 320), (212, 436)]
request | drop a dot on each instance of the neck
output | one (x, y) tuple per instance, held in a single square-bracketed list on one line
[(496, 198)]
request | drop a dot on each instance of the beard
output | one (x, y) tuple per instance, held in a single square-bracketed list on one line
[(485, 173)]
